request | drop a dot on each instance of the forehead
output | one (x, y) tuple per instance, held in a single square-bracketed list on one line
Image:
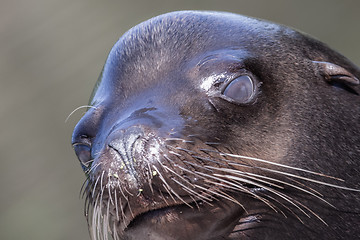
[(166, 45), (181, 35)]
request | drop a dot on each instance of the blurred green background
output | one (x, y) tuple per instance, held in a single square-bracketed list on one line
[(51, 53)]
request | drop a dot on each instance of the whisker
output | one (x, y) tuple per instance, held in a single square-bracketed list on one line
[(122, 192), (248, 175), (212, 143), (106, 220), (86, 164), (123, 216), (279, 165), (82, 189), (179, 139), (308, 179), (305, 186), (186, 188), (150, 175), (102, 191), (240, 173), (237, 186), (128, 192), (277, 201), (76, 109), (116, 206), (115, 235), (312, 212), (193, 193), (94, 189), (168, 191), (181, 177), (281, 195), (163, 197), (109, 190), (129, 205), (175, 153), (222, 196), (182, 149), (204, 176), (95, 218), (93, 168), (86, 204), (170, 188)]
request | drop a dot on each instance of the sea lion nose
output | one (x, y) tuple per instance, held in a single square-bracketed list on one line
[(87, 127), (126, 143)]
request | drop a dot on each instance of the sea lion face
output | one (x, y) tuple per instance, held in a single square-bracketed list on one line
[(199, 126)]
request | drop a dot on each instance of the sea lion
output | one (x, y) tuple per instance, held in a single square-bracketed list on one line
[(208, 125)]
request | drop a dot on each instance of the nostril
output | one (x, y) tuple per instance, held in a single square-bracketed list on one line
[(83, 152), (84, 134)]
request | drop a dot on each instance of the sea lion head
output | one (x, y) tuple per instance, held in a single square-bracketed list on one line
[(205, 124)]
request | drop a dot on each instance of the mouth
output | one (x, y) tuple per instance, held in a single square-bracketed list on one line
[(140, 209), (159, 217), (195, 219), (175, 212), (166, 214)]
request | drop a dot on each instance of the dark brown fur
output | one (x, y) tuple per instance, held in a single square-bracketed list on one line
[(168, 155)]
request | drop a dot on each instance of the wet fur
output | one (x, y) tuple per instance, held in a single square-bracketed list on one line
[(280, 163)]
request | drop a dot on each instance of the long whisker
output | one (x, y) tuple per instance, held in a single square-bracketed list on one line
[(96, 182), (246, 174), (170, 188), (286, 207), (278, 164), (115, 234), (109, 190), (307, 179), (93, 168), (222, 196), (116, 206), (123, 216), (84, 187), (206, 176), (84, 106), (129, 205), (192, 192), (163, 197), (237, 186), (281, 195), (106, 220)]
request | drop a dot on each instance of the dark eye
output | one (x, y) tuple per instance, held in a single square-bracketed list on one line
[(240, 90)]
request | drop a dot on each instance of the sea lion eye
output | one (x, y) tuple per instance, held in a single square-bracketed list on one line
[(240, 89)]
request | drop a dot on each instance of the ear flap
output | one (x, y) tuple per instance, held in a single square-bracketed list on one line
[(335, 74)]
